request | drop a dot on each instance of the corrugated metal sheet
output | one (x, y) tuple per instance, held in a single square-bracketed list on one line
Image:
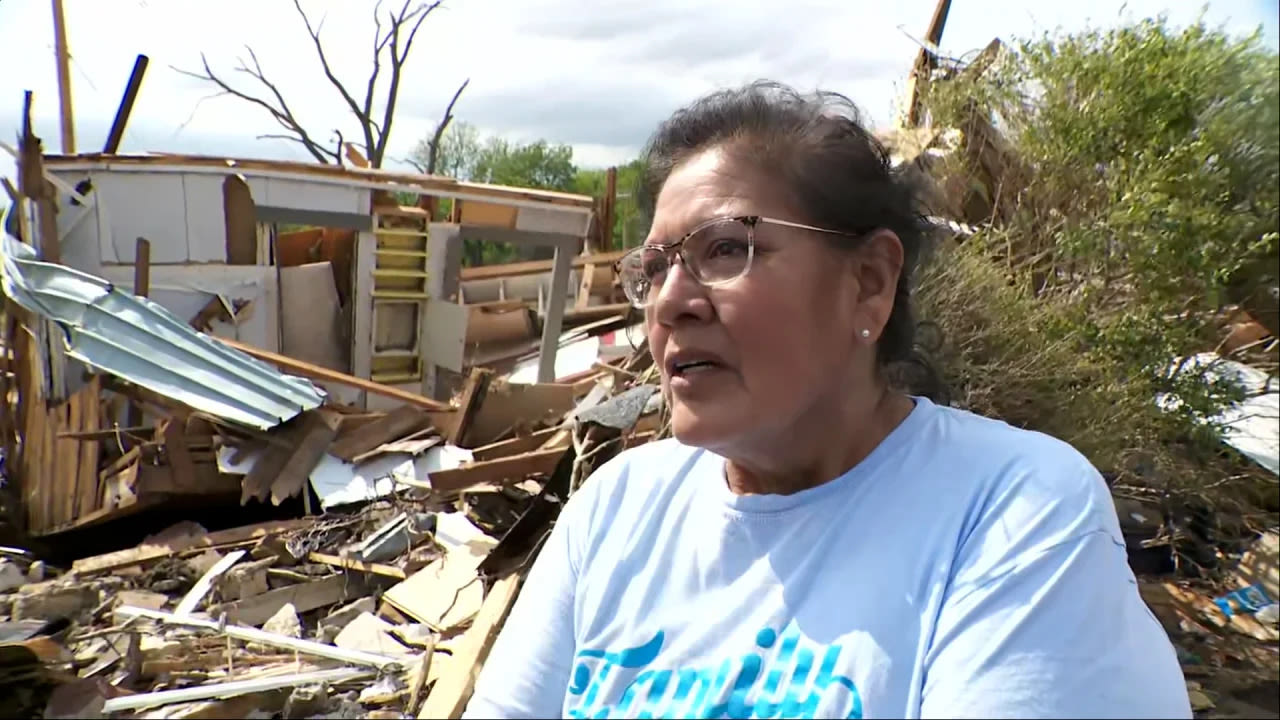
[(140, 341)]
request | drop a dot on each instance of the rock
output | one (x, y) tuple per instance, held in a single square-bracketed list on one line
[(245, 580), (334, 622), (11, 576), (37, 572), (50, 600), (142, 599), (285, 622), (370, 633), (200, 564), (306, 701)]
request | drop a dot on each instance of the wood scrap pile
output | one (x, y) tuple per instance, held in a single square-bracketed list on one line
[(506, 304), (381, 607)]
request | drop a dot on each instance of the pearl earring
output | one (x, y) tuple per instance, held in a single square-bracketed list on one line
[(865, 333)]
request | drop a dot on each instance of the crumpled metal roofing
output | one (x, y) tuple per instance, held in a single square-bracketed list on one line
[(139, 341)]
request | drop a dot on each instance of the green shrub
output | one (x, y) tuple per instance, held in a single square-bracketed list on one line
[(1145, 191)]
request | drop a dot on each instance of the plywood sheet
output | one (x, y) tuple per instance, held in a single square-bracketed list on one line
[(489, 214), (149, 205), (310, 316)]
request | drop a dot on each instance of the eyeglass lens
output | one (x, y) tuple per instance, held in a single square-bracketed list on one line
[(717, 253)]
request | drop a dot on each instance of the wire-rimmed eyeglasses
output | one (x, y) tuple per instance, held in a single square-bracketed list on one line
[(716, 252)]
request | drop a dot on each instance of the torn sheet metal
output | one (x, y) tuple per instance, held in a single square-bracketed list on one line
[(1252, 426), (139, 341), (337, 482)]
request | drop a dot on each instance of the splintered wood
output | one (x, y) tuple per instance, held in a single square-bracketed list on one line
[(383, 606)]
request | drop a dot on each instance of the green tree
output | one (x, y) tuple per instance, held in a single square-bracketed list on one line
[(629, 226), (534, 165), (459, 148), (465, 155)]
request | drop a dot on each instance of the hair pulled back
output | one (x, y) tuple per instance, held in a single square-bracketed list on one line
[(836, 173)]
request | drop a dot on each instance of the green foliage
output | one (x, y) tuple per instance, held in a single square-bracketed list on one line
[(629, 226), (1146, 188), (465, 155), (534, 165)]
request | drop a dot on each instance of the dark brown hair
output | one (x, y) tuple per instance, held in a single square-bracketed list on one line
[(838, 174)]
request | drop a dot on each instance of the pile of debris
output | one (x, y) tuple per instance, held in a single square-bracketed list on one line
[(383, 604)]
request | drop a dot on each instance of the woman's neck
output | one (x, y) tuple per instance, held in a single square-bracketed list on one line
[(823, 445)]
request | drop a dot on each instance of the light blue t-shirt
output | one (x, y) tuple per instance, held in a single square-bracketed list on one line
[(965, 568)]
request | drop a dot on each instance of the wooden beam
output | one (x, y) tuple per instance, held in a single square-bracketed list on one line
[(240, 221), (141, 288), (925, 61), (452, 691), (315, 372), (62, 55), (116, 135), (533, 267), (370, 436), (146, 552), (322, 425), (305, 597), (610, 203), (390, 571), (472, 398), (505, 470), (553, 321)]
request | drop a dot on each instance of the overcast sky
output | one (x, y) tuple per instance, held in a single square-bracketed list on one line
[(596, 75)]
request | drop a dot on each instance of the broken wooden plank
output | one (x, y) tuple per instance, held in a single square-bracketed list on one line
[(503, 470), (239, 220), (447, 592), (180, 538), (257, 483), (316, 437), (304, 596), (181, 464), (262, 637), (230, 689), (516, 445), (414, 444), (369, 436), (452, 691), (534, 267), (390, 571), (472, 398), (315, 372)]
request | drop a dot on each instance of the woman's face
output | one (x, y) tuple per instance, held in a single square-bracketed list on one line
[(780, 340)]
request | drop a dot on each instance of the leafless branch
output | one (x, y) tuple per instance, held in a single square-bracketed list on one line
[(282, 115), (394, 34), (362, 113), (433, 151), (399, 54)]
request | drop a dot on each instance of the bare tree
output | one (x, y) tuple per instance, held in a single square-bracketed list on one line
[(393, 37), (433, 148)]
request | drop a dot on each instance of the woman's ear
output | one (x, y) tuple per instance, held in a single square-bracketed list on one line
[(878, 267)]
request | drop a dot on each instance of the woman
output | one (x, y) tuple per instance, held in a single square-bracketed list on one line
[(812, 543)]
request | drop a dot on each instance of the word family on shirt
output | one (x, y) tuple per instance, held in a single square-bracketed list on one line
[(771, 681)]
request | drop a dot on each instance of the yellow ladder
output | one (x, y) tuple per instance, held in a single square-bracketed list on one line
[(399, 295)]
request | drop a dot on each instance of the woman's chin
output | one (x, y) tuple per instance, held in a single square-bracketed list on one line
[(708, 427)]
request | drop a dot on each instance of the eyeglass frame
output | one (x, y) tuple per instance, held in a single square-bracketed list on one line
[(750, 221)]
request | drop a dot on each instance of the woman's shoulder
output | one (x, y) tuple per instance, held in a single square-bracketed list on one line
[(992, 442), (1018, 473), (653, 467)]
